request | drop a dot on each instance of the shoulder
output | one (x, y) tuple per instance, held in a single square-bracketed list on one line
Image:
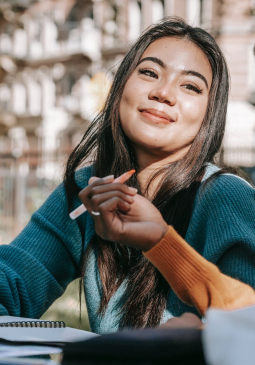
[(226, 186), (83, 175), (223, 215), (225, 201)]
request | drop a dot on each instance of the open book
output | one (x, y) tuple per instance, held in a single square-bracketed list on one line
[(27, 334)]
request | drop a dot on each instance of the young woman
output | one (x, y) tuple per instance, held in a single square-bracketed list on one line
[(164, 117)]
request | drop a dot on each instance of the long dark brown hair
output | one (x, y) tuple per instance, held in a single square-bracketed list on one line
[(107, 147)]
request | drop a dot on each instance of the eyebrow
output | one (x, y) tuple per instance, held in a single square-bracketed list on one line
[(154, 59), (183, 72)]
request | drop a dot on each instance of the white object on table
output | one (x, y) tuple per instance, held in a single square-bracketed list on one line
[(24, 351), (229, 336), (27, 334)]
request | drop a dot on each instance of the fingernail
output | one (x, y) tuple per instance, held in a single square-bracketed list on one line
[(108, 178), (133, 190)]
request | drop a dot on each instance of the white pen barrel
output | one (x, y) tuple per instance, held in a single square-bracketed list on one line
[(78, 211)]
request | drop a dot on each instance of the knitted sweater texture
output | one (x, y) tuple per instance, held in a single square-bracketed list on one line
[(37, 266), (195, 280)]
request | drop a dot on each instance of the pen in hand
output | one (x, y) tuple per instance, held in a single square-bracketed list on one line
[(81, 209)]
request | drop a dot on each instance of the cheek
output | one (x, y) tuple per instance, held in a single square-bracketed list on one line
[(127, 92), (194, 111), (129, 101), (130, 94)]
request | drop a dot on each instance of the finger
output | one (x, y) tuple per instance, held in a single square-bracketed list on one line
[(100, 189), (113, 204), (98, 199), (84, 194), (109, 218), (107, 179), (92, 179)]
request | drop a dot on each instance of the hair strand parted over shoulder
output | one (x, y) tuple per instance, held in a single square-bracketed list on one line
[(146, 290)]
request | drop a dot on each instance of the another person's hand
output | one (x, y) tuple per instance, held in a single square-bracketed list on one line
[(186, 320), (125, 216)]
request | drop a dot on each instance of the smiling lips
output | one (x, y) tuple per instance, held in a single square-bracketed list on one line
[(156, 116)]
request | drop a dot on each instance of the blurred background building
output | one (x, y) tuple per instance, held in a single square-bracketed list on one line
[(57, 60)]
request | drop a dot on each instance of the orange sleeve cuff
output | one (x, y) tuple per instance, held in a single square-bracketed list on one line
[(195, 280)]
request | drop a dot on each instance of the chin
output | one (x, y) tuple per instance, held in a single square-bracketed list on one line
[(148, 145)]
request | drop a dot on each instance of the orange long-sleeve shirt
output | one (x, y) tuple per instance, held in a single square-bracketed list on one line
[(196, 281)]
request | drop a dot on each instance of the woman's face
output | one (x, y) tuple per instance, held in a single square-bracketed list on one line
[(165, 99)]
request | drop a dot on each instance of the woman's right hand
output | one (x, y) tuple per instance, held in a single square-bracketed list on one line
[(125, 216)]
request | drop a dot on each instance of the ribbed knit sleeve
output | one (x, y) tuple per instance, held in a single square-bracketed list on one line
[(43, 259), (222, 230), (195, 280)]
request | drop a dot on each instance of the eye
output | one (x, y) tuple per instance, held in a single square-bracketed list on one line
[(147, 72), (194, 88)]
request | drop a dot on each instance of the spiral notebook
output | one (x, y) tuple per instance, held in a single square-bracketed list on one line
[(28, 330), (33, 324)]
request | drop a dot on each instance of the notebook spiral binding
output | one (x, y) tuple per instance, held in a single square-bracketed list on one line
[(35, 324)]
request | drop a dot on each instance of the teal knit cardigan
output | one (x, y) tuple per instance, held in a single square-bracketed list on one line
[(37, 266)]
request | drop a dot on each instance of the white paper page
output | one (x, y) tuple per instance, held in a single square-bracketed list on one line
[(44, 334), (229, 336), (24, 334), (17, 351)]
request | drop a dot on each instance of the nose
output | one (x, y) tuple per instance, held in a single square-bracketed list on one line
[(163, 94)]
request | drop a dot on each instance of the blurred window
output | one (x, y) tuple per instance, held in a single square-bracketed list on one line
[(201, 20), (195, 12), (71, 80), (157, 10)]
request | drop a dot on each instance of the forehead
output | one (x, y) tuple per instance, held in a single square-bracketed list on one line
[(179, 53)]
